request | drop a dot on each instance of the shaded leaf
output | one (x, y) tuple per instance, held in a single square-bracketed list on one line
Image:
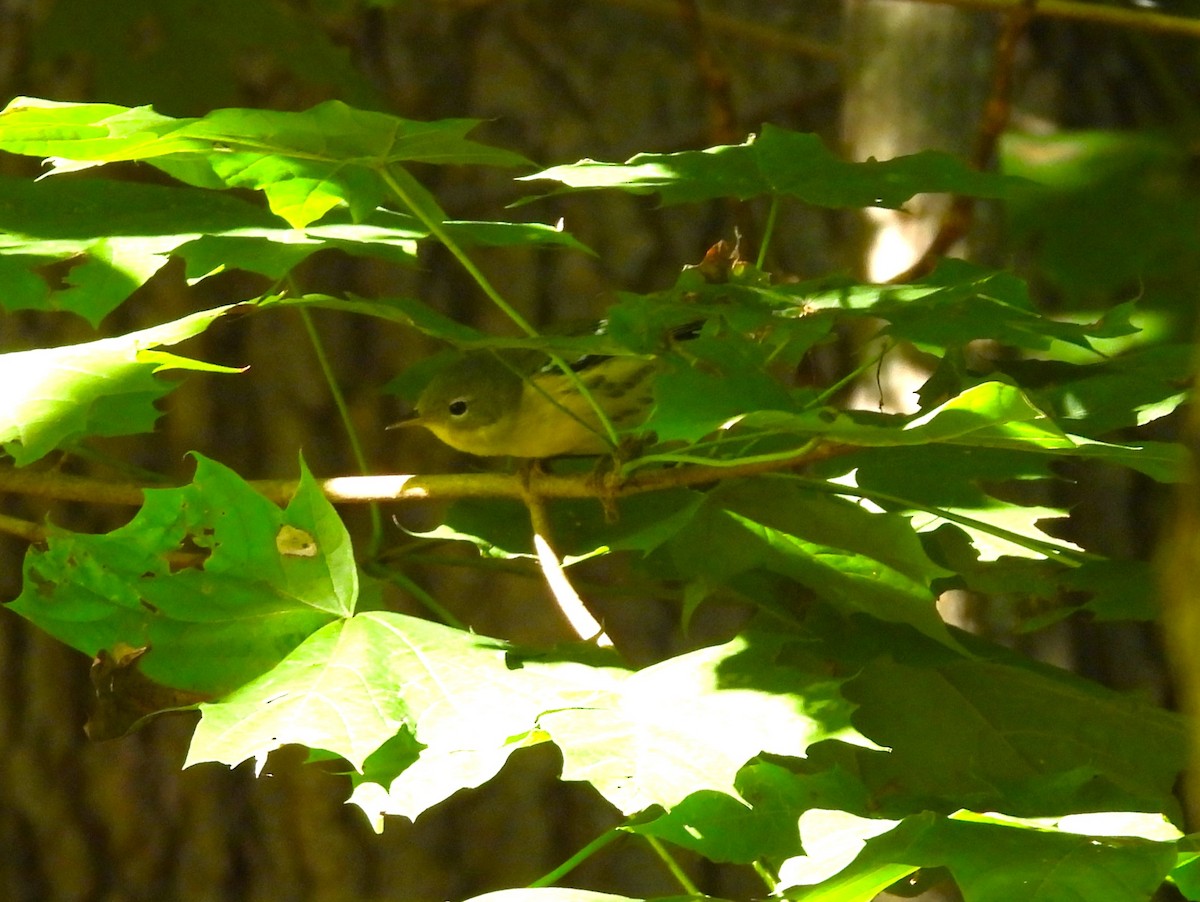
[(848, 556), (125, 698), (1012, 736), (118, 234)]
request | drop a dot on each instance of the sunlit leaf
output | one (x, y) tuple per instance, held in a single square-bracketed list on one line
[(242, 603), (787, 163), (56, 396), (306, 163), (652, 738)]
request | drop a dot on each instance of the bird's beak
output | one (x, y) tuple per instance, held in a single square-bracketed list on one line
[(412, 418)]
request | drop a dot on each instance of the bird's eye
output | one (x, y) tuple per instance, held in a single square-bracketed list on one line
[(458, 408)]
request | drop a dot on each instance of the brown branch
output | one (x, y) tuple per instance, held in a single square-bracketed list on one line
[(762, 35), (415, 488), (714, 76), (22, 529), (64, 487), (960, 215), (722, 114), (1101, 14)]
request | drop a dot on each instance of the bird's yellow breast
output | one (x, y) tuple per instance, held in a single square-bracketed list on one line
[(554, 419)]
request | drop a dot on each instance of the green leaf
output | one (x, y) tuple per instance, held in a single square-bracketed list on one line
[(1119, 590), (1186, 874), (509, 234), (780, 162), (1130, 390), (333, 692), (1013, 735), (991, 862), (263, 581), (992, 859), (1069, 226), (306, 163), (56, 396), (652, 739), (848, 556), (990, 415), (937, 486), (762, 824), (320, 566), (725, 380), (832, 841), (353, 686), (1010, 737), (957, 303), (961, 302), (118, 234), (471, 709)]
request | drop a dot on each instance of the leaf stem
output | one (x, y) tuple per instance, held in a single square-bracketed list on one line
[(672, 865), (577, 859), (426, 600), (791, 454), (769, 878), (434, 224), (339, 401), (424, 212), (768, 231), (823, 398)]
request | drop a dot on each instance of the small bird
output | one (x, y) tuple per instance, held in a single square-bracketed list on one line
[(485, 405)]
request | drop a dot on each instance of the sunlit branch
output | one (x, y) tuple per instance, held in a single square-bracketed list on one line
[(586, 627), (417, 488)]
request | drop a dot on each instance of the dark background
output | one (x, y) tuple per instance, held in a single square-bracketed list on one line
[(555, 82)]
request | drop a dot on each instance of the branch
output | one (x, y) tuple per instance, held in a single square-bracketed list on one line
[(714, 76), (569, 604), (416, 488), (22, 529), (763, 35), (960, 215), (1090, 12)]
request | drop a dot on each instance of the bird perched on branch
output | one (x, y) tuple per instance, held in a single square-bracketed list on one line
[(484, 403), (494, 403)]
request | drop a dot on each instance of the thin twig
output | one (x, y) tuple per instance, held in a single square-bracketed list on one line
[(343, 409), (586, 626), (1099, 13), (722, 115), (714, 76), (65, 487), (763, 35), (960, 215)]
